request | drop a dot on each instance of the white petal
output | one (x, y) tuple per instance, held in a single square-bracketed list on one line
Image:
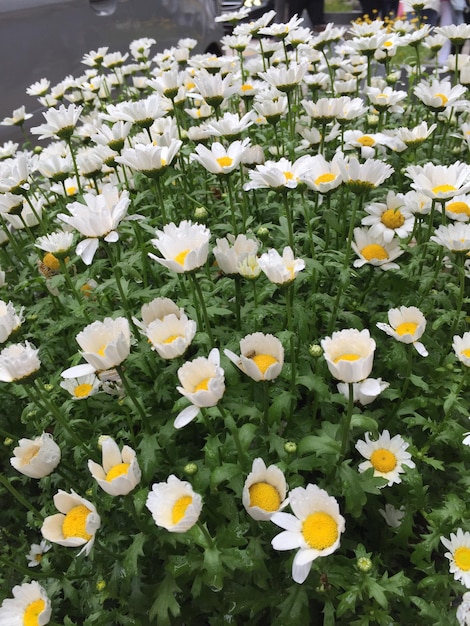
[(78, 370), (86, 249), (420, 349), (187, 415)]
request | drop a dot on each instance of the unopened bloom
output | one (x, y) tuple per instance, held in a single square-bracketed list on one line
[(315, 528), (36, 551), (29, 606), (75, 525), (264, 491), (184, 247), (36, 457), (406, 324), (261, 356), (119, 472), (202, 382), (459, 555), (461, 346), (10, 320), (374, 250), (349, 354), (18, 362), (231, 251), (386, 455), (280, 269), (174, 505)]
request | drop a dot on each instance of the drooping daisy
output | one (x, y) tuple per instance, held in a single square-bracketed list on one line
[(36, 457), (389, 218), (461, 346), (230, 251), (280, 270), (386, 455), (30, 606), (75, 525), (264, 491), (459, 555), (119, 472), (365, 391), (184, 247), (261, 356), (19, 362), (315, 528), (349, 354), (36, 552), (81, 387), (202, 382), (407, 325), (174, 505), (374, 250)]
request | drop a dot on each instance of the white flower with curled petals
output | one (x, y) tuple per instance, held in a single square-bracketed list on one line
[(174, 505), (407, 325), (119, 472)]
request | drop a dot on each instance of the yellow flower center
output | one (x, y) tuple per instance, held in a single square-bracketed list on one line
[(444, 99), (74, 524), (383, 460), (366, 140), (264, 496), (179, 508), (171, 339), (462, 208), (374, 251), (393, 218), (30, 454), (101, 350), (51, 261), (263, 361), (382, 95), (462, 558), (320, 530), (388, 44), (247, 87), (289, 175), (72, 190), (347, 357), (224, 161), (83, 390), (407, 328), (179, 258), (443, 189), (117, 470), (466, 352), (324, 178), (32, 612), (203, 385)]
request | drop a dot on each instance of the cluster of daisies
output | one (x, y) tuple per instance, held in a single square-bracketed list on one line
[(318, 120)]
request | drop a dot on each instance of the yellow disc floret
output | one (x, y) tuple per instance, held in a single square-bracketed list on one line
[(393, 218), (406, 328), (51, 261), (366, 140), (32, 612), (203, 385), (30, 454), (324, 178), (179, 508), (443, 189), (348, 356), (263, 361), (74, 524), (179, 258), (264, 496), (117, 470), (383, 460), (460, 208), (83, 390), (462, 558), (171, 339), (320, 530), (374, 251), (224, 161)]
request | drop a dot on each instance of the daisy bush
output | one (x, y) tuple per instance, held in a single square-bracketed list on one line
[(235, 341)]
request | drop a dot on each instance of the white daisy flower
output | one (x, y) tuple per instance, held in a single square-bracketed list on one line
[(461, 346), (36, 551), (36, 457), (119, 472), (264, 491), (231, 251), (389, 218), (440, 182), (174, 505), (365, 391), (280, 270), (184, 247), (386, 455), (459, 555), (349, 354), (315, 528), (29, 606), (407, 325), (454, 237), (374, 250), (261, 356)]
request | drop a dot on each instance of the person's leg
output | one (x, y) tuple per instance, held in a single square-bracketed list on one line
[(316, 12)]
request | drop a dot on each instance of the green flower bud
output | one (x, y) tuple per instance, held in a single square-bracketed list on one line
[(315, 350), (48, 387), (364, 564), (190, 469), (201, 213), (290, 447)]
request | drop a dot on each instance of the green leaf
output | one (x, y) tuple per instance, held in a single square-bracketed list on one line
[(165, 602), (131, 555), (377, 593)]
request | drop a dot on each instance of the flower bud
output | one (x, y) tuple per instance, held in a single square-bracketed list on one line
[(201, 213), (290, 447), (315, 350), (190, 469), (364, 564)]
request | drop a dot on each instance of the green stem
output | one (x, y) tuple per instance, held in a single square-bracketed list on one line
[(347, 421), (130, 394), (16, 494), (202, 304), (461, 270), (288, 213)]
